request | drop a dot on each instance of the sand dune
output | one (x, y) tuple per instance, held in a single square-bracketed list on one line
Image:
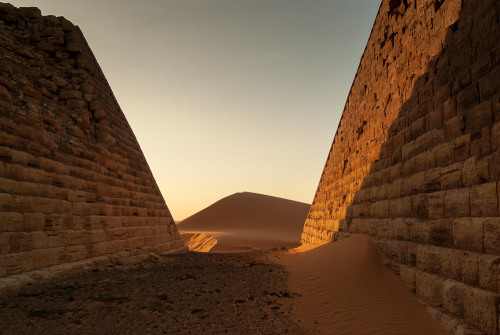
[(247, 221), (346, 289)]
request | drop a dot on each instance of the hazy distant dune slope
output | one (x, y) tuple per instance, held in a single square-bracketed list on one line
[(245, 221)]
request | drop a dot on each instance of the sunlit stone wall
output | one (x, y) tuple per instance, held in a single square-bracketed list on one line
[(74, 183), (415, 161)]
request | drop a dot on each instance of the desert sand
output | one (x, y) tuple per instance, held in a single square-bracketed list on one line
[(192, 293), (344, 286), (244, 222), (339, 288), (346, 289)]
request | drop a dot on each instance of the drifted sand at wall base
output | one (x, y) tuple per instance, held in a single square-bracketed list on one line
[(347, 289)]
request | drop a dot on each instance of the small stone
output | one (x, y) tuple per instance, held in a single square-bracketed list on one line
[(4, 93)]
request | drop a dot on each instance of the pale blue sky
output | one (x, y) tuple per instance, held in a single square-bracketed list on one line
[(227, 96)]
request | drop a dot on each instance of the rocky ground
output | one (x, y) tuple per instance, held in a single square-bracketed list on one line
[(193, 293)]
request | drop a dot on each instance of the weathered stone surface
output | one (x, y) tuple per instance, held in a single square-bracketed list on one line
[(468, 233), (430, 288), (489, 272), (480, 309), (74, 183), (428, 102), (483, 200), (454, 296), (407, 274), (492, 235)]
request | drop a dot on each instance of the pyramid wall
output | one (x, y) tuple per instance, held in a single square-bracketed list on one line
[(74, 183), (415, 161)]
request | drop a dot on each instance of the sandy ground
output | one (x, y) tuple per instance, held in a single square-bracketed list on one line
[(244, 222), (346, 289), (338, 288), (194, 293)]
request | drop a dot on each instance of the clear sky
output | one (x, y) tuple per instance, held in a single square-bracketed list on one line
[(226, 96)]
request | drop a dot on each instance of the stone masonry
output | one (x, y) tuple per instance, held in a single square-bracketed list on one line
[(74, 183), (415, 161)]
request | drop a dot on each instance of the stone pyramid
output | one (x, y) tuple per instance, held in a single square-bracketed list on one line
[(74, 183), (415, 161)]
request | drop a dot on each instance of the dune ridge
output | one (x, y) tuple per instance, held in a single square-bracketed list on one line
[(346, 289)]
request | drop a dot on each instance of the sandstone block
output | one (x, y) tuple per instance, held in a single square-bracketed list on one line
[(70, 94), (23, 158), (30, 12), (449, 322), (384, 229), (46, 46), (401, 207), (19, 262), (468, 234), (435, 120), (489, 272), (74, 47), (380, 209), (3, 268), (6, 108), (420, 206), (20, 242), (453, 128), (433, 180), (400, 229), (32, 92), (46, 257), (478, 117), (464, 329), (480, 309), (441, 232), (428, 258), (467, 98), (488, 85), (4, 243), (73, 254), (443, 154), (470, 269), (456, 203), (364, 226), (451, 263), (407, 274), (469, 172), (449, 109), (11, 222), (483, 200), (495, 136), (419, 230), (451, 180), (491, 235), (454, 296), (4, 94), (481, 145), (436, 205), (429, 287), (75, 103)]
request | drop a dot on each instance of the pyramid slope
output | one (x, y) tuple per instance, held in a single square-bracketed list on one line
[(74, 183), (415, 159)]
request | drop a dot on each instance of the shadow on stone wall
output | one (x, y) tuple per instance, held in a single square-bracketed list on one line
[(431, 199)]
